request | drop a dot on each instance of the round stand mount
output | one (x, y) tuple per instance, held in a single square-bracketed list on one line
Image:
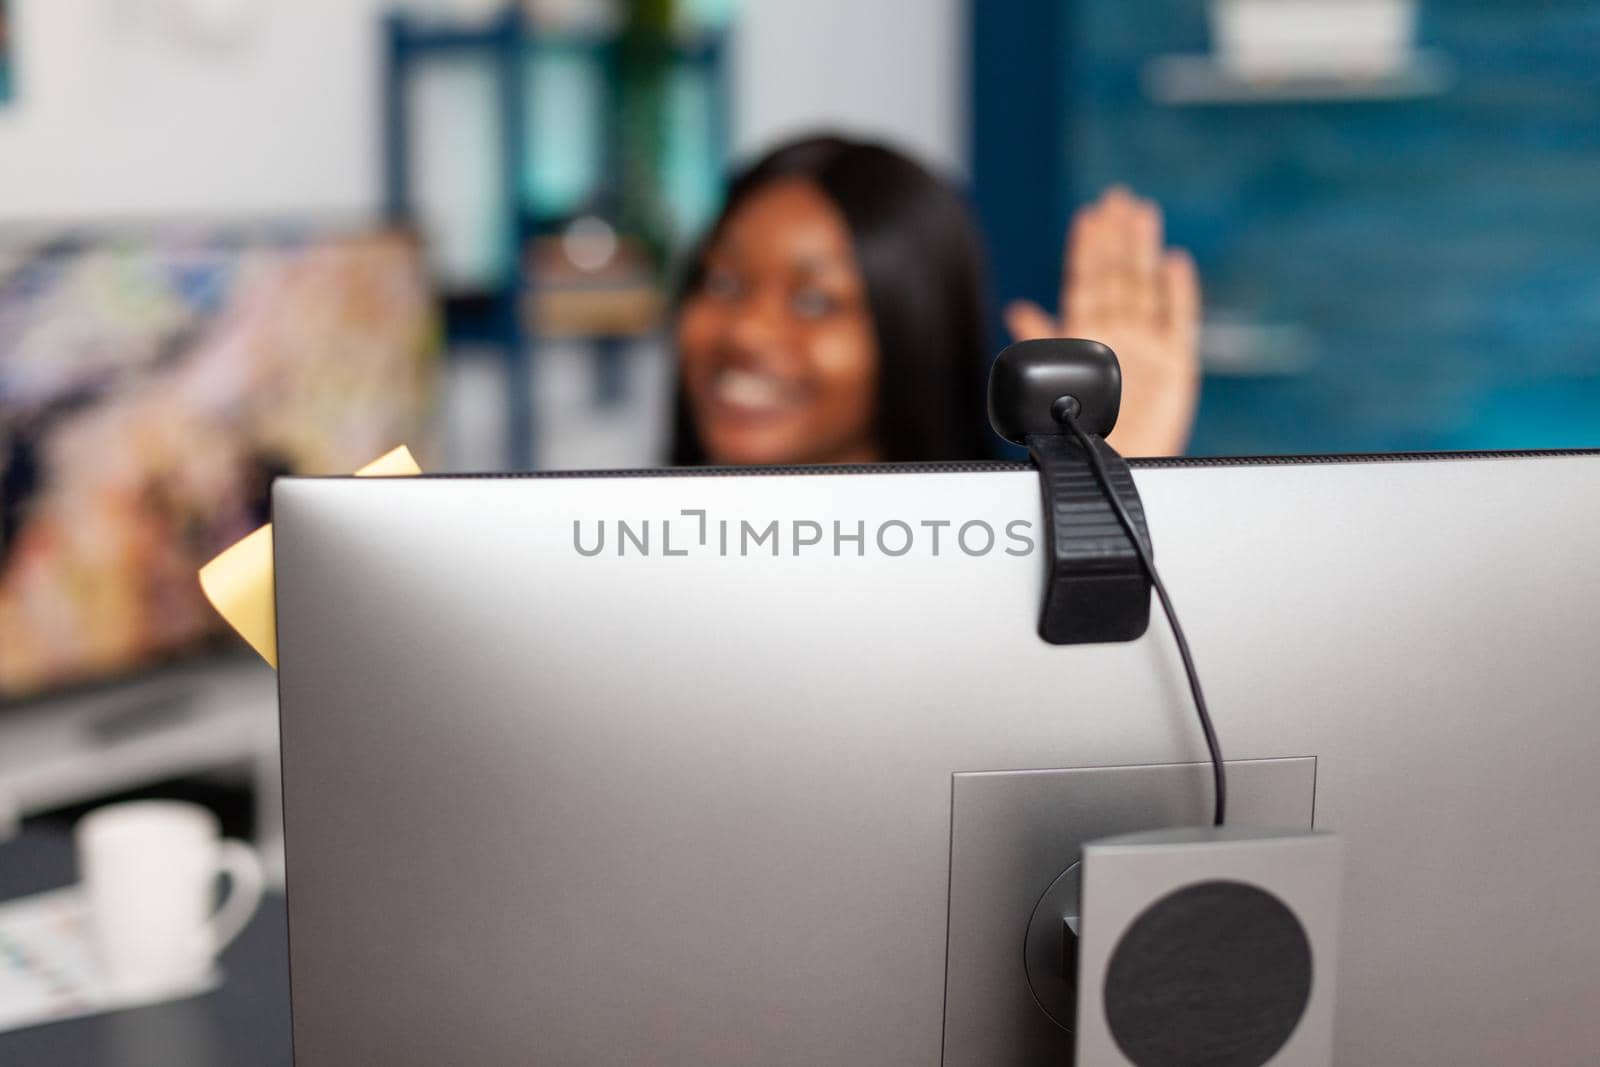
[(1051, 950)]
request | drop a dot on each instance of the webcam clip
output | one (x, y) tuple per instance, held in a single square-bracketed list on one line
[(1096, 589)]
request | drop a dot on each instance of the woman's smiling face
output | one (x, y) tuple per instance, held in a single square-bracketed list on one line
[(776, 347)]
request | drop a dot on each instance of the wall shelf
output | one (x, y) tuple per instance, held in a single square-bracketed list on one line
[(1199, 80), (502, 314)]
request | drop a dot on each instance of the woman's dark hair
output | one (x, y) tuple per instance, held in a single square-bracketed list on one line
[(919, 255)]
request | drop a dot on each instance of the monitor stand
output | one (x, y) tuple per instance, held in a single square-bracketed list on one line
[(1013, 833)]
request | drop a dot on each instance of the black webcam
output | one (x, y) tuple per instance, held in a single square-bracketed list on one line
[(1030, 378), (1096, 587)]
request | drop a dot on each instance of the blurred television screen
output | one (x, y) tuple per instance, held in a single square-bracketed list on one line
[(151, 387)]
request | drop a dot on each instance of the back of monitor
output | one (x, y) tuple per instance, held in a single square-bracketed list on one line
[(713, 803)]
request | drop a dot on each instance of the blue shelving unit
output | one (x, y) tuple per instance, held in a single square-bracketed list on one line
[(501, 314)]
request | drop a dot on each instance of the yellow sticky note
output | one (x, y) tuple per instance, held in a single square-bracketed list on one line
[(239, 581)]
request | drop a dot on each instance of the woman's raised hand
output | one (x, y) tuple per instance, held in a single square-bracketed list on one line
[(1121, 287)]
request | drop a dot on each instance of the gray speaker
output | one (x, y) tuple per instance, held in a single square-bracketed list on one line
[(1207, 946)]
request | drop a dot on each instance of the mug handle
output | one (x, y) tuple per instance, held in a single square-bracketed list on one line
[(246, 880)]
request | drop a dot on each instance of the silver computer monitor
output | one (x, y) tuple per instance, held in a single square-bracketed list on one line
[(712, 769)]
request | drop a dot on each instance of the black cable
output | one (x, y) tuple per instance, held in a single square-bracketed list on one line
[(1218, 773)]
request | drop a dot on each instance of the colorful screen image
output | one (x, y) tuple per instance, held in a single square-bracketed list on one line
[(150, 389), (5, 50)]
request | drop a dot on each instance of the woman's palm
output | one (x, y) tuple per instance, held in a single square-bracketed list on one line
[(1122, 288)]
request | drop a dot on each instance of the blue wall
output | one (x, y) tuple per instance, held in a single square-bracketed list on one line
[(1440, 255)]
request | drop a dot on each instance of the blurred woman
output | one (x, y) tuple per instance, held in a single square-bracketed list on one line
[(835, 314)]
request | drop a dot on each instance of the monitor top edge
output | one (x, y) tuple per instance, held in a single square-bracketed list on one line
[(992, 466)]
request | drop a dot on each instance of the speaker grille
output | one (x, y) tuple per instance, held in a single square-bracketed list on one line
[(1216, 973)]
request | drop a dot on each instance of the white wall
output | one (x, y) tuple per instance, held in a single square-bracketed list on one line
[(119, 115), (895, 69)]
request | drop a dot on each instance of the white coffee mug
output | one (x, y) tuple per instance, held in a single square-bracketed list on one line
[(149, 870)]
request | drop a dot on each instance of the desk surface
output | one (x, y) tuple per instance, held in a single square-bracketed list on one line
[(245, 1023)]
